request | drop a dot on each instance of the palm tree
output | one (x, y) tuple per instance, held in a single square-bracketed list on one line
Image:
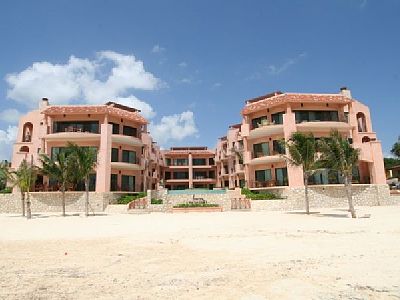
[(23, 178), (302, 150), (338, 154), (4, 174), (396, 148), (83, 160), (60, 169)]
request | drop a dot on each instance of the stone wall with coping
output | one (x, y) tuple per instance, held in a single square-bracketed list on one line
[(52, 202), (329, 196), (223, 200)]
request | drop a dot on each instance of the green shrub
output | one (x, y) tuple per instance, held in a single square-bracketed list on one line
[(156, 201), (125, 199), (262, 195), (195, 204), (6, 190)]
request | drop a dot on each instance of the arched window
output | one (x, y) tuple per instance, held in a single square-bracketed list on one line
[(365, 139), (24, 149), (361, 122), (27, 132)]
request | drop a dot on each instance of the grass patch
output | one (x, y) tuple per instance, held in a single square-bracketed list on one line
[(194, 204), (156, 201), (6, 190), (262, 195), (125, 199)]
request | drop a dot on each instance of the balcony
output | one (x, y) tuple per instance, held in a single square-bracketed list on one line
[(265, 130), (323, 126), (121, 165), (73, 136), (268, 183), (239, 168), (126, 140), (260, 158)]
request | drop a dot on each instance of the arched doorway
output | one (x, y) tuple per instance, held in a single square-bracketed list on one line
[(361, 122), (27, 132)]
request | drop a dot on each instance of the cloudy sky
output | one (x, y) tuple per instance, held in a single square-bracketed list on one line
[(190, 65)]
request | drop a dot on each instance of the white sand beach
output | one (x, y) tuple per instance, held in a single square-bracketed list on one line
[(230, 255)]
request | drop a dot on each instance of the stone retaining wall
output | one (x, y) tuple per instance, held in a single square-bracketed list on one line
[(51, 202), (329, 196)]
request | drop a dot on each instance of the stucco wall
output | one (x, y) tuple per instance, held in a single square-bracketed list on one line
[(51, 202)]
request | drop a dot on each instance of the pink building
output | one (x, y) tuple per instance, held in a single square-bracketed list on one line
[(128, 160), (273, 117), (189, 167), (249, 155)]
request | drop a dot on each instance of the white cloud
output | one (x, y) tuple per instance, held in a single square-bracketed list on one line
[(217, 85), (131, 101), (183, 64), (7, 138), (174, 127), (278, 69), (185, 80), (157, 49), (10, 115), (90, 81)]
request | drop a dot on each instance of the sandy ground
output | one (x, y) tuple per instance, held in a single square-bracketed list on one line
[(231, 255)]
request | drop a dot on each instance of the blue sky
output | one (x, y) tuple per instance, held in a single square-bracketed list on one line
[(191, 64)]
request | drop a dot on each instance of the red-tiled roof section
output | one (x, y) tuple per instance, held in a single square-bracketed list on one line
[(119, 110), (187, 150), (264, 103)]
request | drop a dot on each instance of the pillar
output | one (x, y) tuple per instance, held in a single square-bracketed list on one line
[(104, 159)]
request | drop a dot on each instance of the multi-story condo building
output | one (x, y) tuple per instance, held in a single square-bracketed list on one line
[(128, 160), (229, 159), (189, 167), (273, 117), (249, 155)]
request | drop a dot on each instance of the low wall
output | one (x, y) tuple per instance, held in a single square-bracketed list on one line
[(51, 202), (223, 200), (329, 196)]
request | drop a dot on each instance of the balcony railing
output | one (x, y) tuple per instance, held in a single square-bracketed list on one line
[(267, 183)]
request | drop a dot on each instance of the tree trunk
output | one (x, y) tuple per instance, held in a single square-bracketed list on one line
[(23, 203), (28, 206), (347, 184), (63, 200), (87, 197), (306, 193)]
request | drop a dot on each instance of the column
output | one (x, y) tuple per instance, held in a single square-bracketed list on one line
[(104, 159), (295, 174), (377, 170), (190, 171)]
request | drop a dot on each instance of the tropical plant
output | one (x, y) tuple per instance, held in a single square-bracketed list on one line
[(23, 178), (83, 161), (396, 148), (262, 195), (60, 169), (302, 149), (4, 174), (338, 154)]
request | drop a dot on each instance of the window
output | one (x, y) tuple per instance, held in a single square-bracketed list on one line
[(168, 161), (263, 175), (76, 126), (114, 155), (131, 131), (281, 176), (211, 161), (167, 175), (278, 147), (261, 149), (181, 175), (199, 161), (128, 183), (129, 157), (257, 122), (200, 175), (277, 118), (181, 162), (114, 182), (55, 151), (361, 122), (115, 128), (316, 116), (80, 186)]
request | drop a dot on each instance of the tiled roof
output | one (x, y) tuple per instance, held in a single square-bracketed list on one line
[(96, 109), (277, 99)]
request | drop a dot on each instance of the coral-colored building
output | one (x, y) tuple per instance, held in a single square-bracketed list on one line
[(273, 117), (127, 158), (189, 167), (249, 155)]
